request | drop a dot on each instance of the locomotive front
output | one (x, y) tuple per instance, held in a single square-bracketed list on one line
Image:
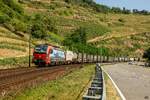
[(41, 55)]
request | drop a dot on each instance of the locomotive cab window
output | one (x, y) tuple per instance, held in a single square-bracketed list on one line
[(41, 49)]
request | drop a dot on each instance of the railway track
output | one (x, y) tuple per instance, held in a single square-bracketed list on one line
[(12, 79)]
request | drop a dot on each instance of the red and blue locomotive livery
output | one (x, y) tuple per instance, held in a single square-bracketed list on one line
[(48, 55)]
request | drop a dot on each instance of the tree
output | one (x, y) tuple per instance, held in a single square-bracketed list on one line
[(50, 24), (4, 18), (80, 1), (82, 33), (77, 40), (126, 11), (147, 54), (144, 12), (135, 11), (101, 8), (14, 5), (38, 30), (79, 36), (116, 10), (41, 25)]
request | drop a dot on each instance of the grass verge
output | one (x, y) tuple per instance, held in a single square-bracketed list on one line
[(64, 88), (111, 92), (14, 61)]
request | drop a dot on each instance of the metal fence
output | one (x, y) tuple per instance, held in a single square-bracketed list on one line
[(96, 91)]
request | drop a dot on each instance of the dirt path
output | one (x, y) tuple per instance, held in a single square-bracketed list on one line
[(133, 80), (113, 35)]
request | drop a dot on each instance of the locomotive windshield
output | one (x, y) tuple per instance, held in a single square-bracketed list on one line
[(41, 49)]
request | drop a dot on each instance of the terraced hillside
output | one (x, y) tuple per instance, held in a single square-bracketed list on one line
[(120, 28), (12, 45), (126, 33), (130, 34), (13, 40)]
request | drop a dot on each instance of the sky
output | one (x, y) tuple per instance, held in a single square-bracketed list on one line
[(129, 4)]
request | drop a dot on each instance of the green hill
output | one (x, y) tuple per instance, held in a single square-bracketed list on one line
[(53, 20)]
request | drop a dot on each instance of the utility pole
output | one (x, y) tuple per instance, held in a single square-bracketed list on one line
[(97, 55), (101, 54), (30, 46), (29, 49), (82, 57)]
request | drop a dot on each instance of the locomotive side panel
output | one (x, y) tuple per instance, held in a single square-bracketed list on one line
[(57, 56)]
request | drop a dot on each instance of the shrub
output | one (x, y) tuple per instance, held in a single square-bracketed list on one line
[(66, 13), (14, 5), (9, 27), (137, 46), (50, 24), (101, 8), (4, 18), (38, 30), (94, 30), (121, 20), (5, 9), (18, 25), (41, 25), (116, 10), (77, 43), (14, 61), (9, 11)]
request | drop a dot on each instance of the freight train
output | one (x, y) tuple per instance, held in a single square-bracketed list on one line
[(46, 54)]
